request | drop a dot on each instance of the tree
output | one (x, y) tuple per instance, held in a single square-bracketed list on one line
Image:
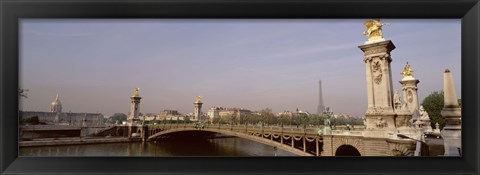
[(119, 117), (433, 104), (314, 119), (232, 118), (283, 119), (255, 118), (267, 116), (32, 120)]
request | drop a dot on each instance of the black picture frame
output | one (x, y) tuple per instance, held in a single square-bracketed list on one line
[(12, 10)]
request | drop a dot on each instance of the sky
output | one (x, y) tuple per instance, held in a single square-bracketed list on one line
[(94, 64)]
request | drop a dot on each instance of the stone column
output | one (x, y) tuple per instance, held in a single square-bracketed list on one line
[(197, 112), (410, 95), (133, 118), (369, 83), (380, 112), (145, 133), (452, 132)]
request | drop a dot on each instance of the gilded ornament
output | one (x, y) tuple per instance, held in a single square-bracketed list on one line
[(407, 71), (374, 29), (135, 92), (199, 98)]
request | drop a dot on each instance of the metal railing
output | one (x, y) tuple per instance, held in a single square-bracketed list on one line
[(239, 128)]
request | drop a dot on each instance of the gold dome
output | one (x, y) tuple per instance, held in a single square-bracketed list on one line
[(56, 101), (56, 105)]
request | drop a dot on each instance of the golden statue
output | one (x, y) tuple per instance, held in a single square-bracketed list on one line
[(407, 71), (199, 98), (135, 92), (374, 29)]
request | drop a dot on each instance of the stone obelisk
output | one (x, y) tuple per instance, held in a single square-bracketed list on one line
[(452, 132)]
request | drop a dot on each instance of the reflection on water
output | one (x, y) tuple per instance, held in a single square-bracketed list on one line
[(232, 146)]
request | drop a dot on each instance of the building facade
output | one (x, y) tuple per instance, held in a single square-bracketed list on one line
[(57, 117)]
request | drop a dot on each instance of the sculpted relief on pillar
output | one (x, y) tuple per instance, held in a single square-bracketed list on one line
[(409, 96), (377, 73), (381, 123)]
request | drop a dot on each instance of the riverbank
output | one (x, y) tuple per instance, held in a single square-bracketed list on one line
[(75, 141)]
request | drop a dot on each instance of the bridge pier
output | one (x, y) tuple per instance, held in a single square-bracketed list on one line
[(145, 133), (327, 146), (304, 144), (129, 133)]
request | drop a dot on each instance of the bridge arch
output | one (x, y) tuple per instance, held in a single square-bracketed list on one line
[(254, 138), (356, 143), (347, 150)]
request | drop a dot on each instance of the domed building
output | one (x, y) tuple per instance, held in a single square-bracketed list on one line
[(57, 117), (56, 105)]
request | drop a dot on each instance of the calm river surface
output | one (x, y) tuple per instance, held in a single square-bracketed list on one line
[(228, 146)]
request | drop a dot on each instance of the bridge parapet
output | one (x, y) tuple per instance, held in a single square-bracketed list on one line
[(49, 127), (347, 132)]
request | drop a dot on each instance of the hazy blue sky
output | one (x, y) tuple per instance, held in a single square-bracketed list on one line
[(95, 64)]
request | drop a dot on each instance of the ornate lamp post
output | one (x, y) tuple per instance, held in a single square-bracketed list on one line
[(184, 121), (304, 121), (281, 120)]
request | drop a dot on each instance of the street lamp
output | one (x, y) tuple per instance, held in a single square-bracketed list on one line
[(184, 121), (304, 121), (424, 150), (281, 120)]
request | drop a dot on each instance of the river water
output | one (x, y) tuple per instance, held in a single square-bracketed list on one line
[(221, 146)]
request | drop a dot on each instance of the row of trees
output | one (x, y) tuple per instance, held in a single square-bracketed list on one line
[(262, 117), (118, 118), (433, 104), (121, 117), (34, 120), (267, 117)]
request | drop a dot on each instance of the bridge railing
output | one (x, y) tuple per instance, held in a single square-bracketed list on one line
[(243, 128)]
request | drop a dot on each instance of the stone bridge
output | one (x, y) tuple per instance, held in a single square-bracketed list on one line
[(299, 141)]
